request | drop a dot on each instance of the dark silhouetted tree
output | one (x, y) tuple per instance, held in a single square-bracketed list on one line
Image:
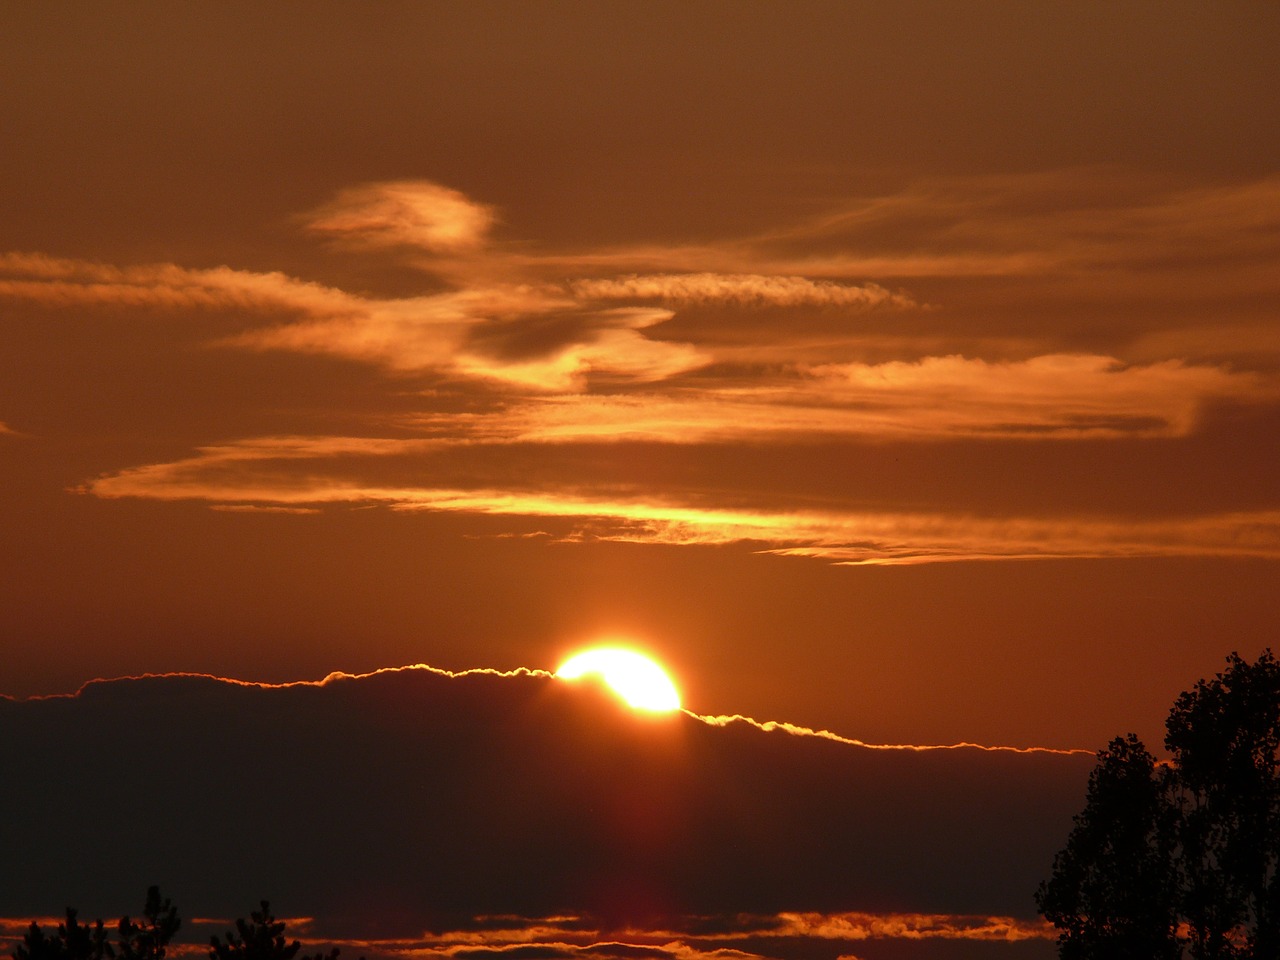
[(261, 938), (147, 940), (1224, 738), (72, 941), (1113, 887), (77, 941), (1167, 859)]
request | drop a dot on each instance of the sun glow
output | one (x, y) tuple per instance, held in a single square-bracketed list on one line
[(634, 677)]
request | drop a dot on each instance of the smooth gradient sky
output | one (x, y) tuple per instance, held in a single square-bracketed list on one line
[(906, 369)]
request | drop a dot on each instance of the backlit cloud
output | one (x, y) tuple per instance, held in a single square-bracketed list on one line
[(1065, 397), (529, 337), (546, 349), (58, 281), (413, 213), (745, 289), (253, 473)]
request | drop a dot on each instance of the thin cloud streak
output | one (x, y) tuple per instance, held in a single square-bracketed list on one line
[(1091, 224), (333, 677), (769, 726), (232, 474), (741, 289)]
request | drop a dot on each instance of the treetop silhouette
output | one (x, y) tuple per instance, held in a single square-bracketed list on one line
[(146, 940), (261, 937), (1181, 858)]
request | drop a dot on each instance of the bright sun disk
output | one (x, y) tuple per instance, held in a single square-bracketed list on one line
[(634, 677)]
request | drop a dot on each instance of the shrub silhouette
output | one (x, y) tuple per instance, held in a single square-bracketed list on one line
[(1183, 857)]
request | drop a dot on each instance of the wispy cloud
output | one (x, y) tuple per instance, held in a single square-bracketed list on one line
[(251, 473), (530, 337), (58, 281), (741, 289), (596, 346), (1063, 397)]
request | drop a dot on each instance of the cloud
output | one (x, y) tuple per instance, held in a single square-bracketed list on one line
[(412, 799), (1095, 231), (529, 337), (1053, 397), (518, 336), (55, 281), (262, 472), (524, 351), (410, 213), (743, 289)]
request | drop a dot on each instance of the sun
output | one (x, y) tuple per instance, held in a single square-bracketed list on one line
[(634, 677)]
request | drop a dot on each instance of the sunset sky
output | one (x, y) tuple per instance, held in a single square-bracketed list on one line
[(908, 370)]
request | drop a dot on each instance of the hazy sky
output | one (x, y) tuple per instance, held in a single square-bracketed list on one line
[(909, 369)]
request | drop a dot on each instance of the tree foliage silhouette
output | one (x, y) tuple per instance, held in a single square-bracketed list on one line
[(1113, 887), (73, 940), (261, 937), (1181, 858)]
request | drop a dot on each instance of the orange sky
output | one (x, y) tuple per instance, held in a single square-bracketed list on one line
[(906, 369)]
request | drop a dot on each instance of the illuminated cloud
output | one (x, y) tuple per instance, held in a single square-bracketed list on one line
[(745, 289), (1064, 397), (1100, 229), (266, 472), (582, 347), (55, 281), (529, 337), (753, 937), (412, 213)]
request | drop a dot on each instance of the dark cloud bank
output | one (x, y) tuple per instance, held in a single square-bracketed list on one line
[(409, 800)]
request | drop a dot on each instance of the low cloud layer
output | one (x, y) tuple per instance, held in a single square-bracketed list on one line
[(412, 800)]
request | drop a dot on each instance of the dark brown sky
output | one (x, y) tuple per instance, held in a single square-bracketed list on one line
[(906, 369)]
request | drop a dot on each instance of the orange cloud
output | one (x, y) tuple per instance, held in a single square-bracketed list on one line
[(1060, 396), (1102, 226), (467, 333), (701, 939), (253, 473), (58, 281), (909, 926), (744, 289), (414, 213)]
